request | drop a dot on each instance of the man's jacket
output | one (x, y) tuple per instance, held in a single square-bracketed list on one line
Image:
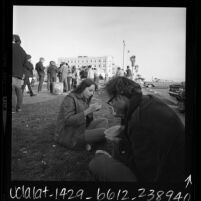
[(153, 141)]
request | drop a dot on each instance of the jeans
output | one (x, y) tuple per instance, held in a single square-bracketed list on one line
[(17, 97), (41, 80), (27, 82), (95, 131), (69, 81), (104, 168), (65, 84)]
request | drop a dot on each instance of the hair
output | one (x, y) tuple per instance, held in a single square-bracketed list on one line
[(123, 86), (84, 84), (16, 39)]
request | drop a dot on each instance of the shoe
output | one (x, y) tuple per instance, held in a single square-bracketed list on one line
[(103, 152), (18, 110), (33, 95), (13, 112)]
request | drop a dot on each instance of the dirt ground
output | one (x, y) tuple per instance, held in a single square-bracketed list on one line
[(36, 156)]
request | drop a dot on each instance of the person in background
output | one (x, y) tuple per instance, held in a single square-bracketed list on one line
[(90, 74), (69, 78), (96, 77), (48, 78), (74, 77), (41, 73), (76, 128), (128, 73), (64, 73), (118, 72), (28, 71), (18, 63), (52, 71), (150, 145), (59, 73)]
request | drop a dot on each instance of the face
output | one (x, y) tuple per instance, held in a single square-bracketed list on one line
[(89, 91), (119, 104)]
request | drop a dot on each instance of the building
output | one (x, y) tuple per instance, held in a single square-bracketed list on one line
[(103, 64)]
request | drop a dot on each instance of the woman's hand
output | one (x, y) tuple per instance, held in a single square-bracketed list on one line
[(92, 108)]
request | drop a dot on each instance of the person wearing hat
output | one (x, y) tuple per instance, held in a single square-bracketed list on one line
[(150, 144), (28, 71), (18, 63), (41, 73)]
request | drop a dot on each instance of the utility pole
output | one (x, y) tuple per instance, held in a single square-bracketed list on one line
[(123, 52)]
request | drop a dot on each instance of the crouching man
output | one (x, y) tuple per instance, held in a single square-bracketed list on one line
[(149, 146)]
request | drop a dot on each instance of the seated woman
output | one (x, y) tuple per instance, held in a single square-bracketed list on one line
[(76, 127)]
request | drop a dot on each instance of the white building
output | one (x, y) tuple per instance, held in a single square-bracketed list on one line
[(103, 64)]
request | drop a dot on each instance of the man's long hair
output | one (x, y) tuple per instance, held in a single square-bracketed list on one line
[(123, 86)]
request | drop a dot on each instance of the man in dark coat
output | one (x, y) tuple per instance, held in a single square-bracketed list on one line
[(28, 71), (150, 144), (52, 72), (41, 73), (19, 60)]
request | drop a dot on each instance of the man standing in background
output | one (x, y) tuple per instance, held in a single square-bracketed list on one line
[(52, 72), (41, 73), (19, 60), (28, 71)]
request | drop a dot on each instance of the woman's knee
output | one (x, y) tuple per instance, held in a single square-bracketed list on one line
[(103, 122)]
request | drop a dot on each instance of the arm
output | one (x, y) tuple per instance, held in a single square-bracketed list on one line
[(69, 111)]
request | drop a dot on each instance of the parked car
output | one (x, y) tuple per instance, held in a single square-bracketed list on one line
[(175, 89), (178, 91)]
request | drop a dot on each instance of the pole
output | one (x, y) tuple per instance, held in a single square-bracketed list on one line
[(123, 52)]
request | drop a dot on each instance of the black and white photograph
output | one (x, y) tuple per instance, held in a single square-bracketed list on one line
[(99, 94)]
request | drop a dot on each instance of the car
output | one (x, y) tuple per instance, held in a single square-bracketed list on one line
[(176, 89)]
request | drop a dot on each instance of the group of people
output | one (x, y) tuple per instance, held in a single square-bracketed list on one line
[(127, 73), (148, 146), (69, 76)]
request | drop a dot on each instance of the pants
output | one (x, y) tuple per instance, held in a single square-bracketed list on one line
[(74, 82), (17, 97), (65, 84), (52, 80), (27, 82), (104, 168), (69, 81), (41, 80), (95, 131)]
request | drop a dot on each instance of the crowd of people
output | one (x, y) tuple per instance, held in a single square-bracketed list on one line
[(148, 145)]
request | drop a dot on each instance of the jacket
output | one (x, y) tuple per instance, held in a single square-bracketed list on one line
[(52, 71), (71, 122), (19, 60), (40, 68), (64, 72), (28, 69), (153, 141)]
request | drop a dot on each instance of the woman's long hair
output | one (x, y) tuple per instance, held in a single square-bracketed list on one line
[(83, 85)]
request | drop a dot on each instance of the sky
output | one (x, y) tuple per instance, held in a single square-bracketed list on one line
[(156, 36)]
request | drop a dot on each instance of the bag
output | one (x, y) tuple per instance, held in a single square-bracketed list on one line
[(57, 88)]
